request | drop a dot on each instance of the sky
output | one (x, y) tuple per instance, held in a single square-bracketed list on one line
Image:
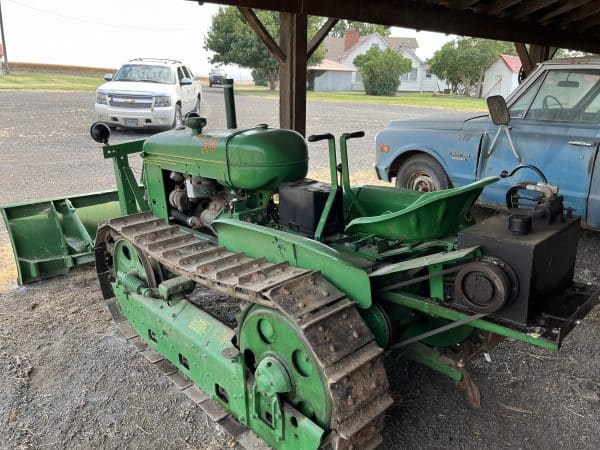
[(108, 33)]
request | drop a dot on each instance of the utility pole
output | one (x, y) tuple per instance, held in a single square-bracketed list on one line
[(4, 58)]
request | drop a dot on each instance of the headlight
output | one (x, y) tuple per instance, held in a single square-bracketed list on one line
[(101, 98), (162, 100)]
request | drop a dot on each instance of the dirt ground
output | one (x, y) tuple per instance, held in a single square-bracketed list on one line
[(69, 380)]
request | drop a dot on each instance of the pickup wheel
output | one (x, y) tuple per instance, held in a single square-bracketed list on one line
[(178, 118), (422, 173), (198, 105)]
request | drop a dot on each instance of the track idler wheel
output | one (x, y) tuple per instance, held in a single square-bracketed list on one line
[(283, 364)]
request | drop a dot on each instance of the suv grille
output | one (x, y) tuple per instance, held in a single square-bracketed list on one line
[(130, 101)]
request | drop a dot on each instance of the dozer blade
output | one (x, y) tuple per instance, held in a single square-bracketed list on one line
[(50, 237)]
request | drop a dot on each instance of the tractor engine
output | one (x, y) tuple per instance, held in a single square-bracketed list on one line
[(192, 177), (196, 201)]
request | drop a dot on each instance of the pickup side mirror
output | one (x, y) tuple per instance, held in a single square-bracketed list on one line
[(185, 81), (108, 77), (498, 110)]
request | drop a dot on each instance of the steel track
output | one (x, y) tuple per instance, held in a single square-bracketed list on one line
[(341, 343)]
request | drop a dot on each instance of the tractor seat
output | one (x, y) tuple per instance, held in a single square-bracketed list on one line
[(402, 214)]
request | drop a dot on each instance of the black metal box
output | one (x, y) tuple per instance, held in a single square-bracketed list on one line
[(543, 260), (301, 204)]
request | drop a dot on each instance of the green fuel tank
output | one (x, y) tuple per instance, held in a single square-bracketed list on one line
[(258, 158)]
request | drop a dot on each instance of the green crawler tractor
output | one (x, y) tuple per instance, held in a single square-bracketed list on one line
[(327, 277)]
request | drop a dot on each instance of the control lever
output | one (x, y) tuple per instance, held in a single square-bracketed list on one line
[(345, 171), (320, 137), (353, 135), (334, 181)]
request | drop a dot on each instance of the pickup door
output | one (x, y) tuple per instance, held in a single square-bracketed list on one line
[(554, 126)]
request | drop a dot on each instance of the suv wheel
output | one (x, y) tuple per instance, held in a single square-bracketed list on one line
[(178, 119), (198, 105), (422, 173)]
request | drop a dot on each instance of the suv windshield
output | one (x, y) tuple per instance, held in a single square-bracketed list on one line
[(144, 72)]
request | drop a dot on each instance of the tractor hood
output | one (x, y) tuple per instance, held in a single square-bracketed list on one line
[(438, 121)]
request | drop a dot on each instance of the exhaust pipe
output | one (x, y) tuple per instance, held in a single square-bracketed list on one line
[(229, 103)]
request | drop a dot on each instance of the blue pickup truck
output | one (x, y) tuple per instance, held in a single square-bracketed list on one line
[(554, 125)]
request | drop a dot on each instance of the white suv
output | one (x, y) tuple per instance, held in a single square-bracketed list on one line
[(148, 92)]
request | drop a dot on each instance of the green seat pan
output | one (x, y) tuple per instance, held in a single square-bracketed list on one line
[(430, 215)]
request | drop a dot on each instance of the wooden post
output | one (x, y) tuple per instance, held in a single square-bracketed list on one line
[(535, 55), (292, 72), (3, 57)]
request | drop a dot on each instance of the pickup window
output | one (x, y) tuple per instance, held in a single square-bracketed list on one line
[(561, 96), (520, 107)]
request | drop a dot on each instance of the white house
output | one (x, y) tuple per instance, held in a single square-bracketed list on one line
[(343, 51), (502, 77)]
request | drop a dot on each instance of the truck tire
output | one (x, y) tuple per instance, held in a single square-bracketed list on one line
[(422, 173), (198, 107), (178, 117)]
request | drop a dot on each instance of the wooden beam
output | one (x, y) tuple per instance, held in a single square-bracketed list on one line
[(590, 22), (497, 7), (530, 7), (569, 6), (262, 33), (431, 17), (292, 72), (540, 53), (581, 13), (462, 4), (319, 36), (524, 57)]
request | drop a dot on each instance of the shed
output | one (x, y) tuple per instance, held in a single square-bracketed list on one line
[(330, 76), (502, 77)]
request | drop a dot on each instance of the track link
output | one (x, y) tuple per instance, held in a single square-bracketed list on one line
[(340, 340)]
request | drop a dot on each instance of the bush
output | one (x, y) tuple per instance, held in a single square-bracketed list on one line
[(260, 77), (381, 70)]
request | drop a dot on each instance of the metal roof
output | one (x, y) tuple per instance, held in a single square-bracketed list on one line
[(335, 46), (332, 66), (513, 62), (573, 24)]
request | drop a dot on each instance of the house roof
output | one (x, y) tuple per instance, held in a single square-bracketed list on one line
[(396, 41), (328, 64), (334, 47), (513, 62)]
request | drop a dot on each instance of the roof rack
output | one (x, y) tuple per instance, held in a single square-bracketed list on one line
[(176, 61)]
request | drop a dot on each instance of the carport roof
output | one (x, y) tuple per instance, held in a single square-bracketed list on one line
[(573, 24)]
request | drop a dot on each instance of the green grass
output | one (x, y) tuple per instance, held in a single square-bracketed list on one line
[(425, 100), (50, 81), (67, 82)]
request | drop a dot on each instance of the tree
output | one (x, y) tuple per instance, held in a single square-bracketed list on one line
[(259, 77), (381, 70), (462, 62), (340, 28), (566, 53), (234, 42)]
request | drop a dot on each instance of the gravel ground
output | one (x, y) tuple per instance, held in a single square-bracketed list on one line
[(69, 380)]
